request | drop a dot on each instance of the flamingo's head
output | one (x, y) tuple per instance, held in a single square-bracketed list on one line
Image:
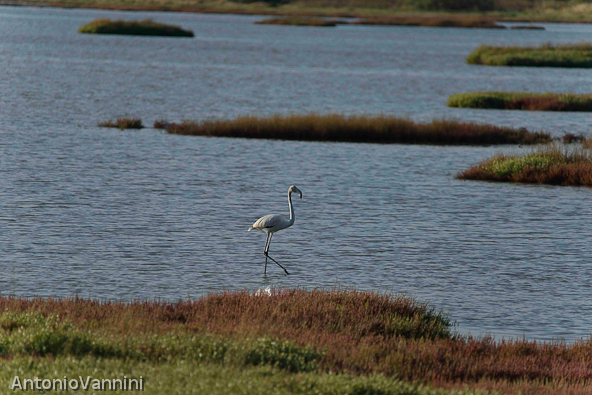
[(295, 189)]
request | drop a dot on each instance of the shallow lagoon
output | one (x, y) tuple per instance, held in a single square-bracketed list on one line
[(140, 214)]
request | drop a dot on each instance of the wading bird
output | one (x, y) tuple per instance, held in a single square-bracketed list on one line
[(273, 222)]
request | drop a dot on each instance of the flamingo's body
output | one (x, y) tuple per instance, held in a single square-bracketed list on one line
[(273, 222)]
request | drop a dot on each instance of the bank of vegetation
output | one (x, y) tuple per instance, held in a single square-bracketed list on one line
[(123, 123), (432, 20), (146, 27), (521, 10), (287, 342), (522, 101), (552, 164), (376, 129), (298, 21), (548, 55)]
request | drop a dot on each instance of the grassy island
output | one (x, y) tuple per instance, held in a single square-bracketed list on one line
[(432, 21), (549, 55), (378, 129), (552, 164), (284, 342), (522, 101), (146, 27), (298, 21), (123, 123)]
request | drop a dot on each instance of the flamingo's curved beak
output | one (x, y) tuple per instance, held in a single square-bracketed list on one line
[(300, 193)]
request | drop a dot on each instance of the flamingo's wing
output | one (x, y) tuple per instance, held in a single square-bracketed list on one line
[(269, 221)]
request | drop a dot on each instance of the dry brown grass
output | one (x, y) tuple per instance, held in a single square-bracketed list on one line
[(378, 129), (357, 332), (123, 123)]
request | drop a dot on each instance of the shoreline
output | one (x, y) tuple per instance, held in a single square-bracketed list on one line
[(305, 12)]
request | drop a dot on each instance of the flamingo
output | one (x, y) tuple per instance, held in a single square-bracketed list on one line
[(273, 222)]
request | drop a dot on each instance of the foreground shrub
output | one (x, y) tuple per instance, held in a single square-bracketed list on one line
[(522, 101), (549, 55), (553, 164), (380, 129), (298, 21), (123, 123), (146, 27), (365, 338)]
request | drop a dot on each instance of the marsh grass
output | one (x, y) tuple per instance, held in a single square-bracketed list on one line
[(298, 21), (368, 341), (146, 27), (548, 55), (522, 101), (466, 21), (123, 123), (378, 129), (552, 164)]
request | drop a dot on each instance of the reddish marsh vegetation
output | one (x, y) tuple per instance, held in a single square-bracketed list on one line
[(353, 332), (379, 129), (553, 165), (298, 21)]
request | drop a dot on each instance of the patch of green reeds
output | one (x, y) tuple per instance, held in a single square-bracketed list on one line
[(552, 164), (548, 55), (522, 101), (467, 21), (297, 341), (123, 123), (298, 21), (146, 27), (378, 129)]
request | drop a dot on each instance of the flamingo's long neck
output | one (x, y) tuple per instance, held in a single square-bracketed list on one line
[(291, 207)]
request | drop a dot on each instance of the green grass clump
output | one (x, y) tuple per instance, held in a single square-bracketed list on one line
[(146, 27), (553, 164), (522, 101), (378, 129), (549, 55), (298, 21), (123, 123)]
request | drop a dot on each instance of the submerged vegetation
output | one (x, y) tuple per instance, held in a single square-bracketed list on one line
[(548, 55), (123, 123), (552, 164), (146, 27), (298, 21), (292, 341), (522, 101), (378, 129)]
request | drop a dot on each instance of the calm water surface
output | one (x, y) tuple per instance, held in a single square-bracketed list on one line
[(140, 214)]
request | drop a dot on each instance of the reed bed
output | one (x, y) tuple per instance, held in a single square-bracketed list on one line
[(548, 55), (553, 164), (146, 27), (298, 21), (465, 21), (379, 129), (522, 101), (381, 342), (123, 123)]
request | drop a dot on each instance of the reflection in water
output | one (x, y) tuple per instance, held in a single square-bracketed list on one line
[(140, 214)]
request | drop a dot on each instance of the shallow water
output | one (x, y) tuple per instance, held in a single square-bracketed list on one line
[(140, 214)]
